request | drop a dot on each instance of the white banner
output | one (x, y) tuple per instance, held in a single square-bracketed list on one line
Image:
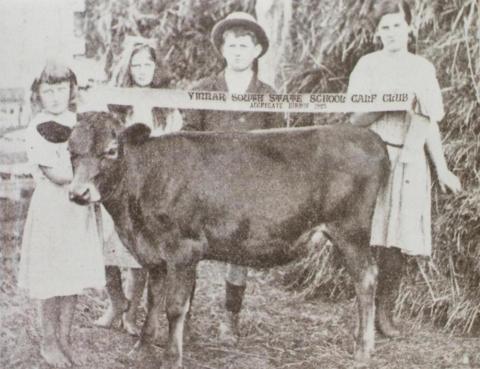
[(98, 97)]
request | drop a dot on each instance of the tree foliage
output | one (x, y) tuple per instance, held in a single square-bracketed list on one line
[(180, 28)]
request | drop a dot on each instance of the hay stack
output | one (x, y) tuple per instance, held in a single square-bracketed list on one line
[(445, 289)]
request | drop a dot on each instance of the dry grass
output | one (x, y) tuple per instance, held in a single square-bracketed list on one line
[(280, 330)]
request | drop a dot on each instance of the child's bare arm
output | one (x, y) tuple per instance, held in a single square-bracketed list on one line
[(364, 119), (56, 176), (434, 146)]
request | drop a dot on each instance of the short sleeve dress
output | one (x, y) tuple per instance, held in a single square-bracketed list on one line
[(61, 249), (402, 216)]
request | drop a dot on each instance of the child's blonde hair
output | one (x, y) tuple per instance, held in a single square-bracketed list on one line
[(54, 72)]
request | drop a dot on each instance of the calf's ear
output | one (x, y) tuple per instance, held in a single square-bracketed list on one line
[(136, 134), (54, 132)]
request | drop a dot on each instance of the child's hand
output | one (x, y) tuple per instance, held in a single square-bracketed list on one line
[(413, 106), (449, 180), (57, 176)]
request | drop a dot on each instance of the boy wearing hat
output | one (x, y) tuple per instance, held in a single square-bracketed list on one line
[(241, 41)]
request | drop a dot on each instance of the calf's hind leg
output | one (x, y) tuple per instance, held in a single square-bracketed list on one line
[(354, 245)]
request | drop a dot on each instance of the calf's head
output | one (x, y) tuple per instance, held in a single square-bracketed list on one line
[(96, 146)]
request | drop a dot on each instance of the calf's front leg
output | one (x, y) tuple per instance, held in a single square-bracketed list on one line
[(180, 285), (155, 303)]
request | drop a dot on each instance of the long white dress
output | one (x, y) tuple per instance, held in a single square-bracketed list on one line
[(61, 249), (402, 216), (114, 251)]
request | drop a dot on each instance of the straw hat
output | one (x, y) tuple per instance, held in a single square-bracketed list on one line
[(239, 19)]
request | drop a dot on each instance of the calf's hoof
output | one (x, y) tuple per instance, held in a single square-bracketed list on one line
[(54, 356), (130, 326), (113, 316), (171, 363), (387, 328), (362, 358), (108, 320), (226, 336), (390, 333)]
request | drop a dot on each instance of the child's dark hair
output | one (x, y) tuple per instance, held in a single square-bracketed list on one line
[(241, 31), (122, 76), (391, 7), (385, 7), (54, 72)]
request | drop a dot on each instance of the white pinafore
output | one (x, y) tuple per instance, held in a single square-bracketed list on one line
[(402, 216), (61, 249)]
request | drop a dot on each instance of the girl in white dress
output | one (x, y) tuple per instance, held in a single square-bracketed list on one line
[(402, 220), (61, 249)]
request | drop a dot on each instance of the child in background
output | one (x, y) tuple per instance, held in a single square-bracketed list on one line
[(401, 224), (138, 67), (61, 248), (240, 41)]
